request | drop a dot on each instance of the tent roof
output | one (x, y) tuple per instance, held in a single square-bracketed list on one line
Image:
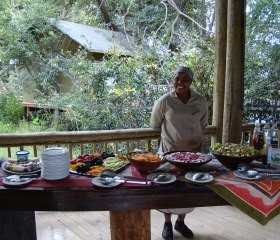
[(96, 39)]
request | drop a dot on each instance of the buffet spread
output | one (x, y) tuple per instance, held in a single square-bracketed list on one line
[(249, 185)]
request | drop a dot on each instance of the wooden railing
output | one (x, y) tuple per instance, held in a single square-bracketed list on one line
[(117, 141)]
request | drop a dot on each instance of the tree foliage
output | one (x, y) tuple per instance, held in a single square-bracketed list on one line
[(119, 92), (262, 90), (11, 109)]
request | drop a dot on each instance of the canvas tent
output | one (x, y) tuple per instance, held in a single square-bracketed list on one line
[(94, 40), (75, 35)]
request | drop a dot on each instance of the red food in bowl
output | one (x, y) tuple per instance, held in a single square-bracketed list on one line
[(187, 160)]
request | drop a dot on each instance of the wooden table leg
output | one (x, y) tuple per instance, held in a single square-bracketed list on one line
[(131, 224), (17, 225)]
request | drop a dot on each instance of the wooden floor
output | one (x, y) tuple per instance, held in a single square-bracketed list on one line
[(211, 223)]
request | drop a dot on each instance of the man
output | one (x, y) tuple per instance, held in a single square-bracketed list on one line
[(181, 114)]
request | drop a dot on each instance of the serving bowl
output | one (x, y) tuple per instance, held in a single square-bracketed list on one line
[(231, 155), (187, 160), (145, 161), (232, 162)]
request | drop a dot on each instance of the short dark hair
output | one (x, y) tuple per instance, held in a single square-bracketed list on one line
[(187, 70)]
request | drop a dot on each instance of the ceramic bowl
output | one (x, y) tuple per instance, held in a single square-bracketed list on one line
[(187, 165), (143, 163), (232, 162)]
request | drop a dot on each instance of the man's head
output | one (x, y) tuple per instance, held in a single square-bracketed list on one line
[(182, 80), (186, 70)]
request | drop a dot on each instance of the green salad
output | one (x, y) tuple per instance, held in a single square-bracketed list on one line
[(234, 150)]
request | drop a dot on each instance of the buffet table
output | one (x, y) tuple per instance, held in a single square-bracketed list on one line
[(129, 205)]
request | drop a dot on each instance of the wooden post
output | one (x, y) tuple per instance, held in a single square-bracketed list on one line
[(220, 68), (131, 224), (234, 81)]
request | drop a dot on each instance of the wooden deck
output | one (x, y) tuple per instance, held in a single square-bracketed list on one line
[(207, 223)]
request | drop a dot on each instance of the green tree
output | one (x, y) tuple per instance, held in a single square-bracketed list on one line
[(262, 90), (119, 92), (11, 110), (116, 93)]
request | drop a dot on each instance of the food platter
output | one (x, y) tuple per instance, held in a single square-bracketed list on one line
[(14, 167), (91, 165), (101, 167)]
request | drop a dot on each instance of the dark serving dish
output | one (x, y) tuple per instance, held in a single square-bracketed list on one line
[(188, 166), (232, 162)]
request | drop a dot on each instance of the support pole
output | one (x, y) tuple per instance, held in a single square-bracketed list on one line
[(234, 81), (219, 68), (17, 225), (131, 224)]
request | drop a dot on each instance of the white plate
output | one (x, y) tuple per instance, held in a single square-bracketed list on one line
[(55, 152), (17, 183), (189, 177), (3, 166), (54, 177), (96, 181), (152, 177), (244, 176)]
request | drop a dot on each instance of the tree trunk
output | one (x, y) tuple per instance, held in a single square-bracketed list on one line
[(234, 82), (106, 16)]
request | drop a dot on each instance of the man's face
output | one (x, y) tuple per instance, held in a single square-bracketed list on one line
[(181, 82)]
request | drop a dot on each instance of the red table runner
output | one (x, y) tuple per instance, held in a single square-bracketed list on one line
[(73, 180)]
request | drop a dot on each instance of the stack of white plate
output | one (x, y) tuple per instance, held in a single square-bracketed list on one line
[(55, 163)]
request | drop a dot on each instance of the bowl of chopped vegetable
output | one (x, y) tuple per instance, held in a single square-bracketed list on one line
[(145, 161), (187, 160), (232, 154)]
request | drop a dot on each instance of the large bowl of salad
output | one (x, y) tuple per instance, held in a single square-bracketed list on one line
[(232, 154)]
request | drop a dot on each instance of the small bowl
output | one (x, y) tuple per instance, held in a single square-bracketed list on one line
[(144, 165), (232, 162), (187, 166), (22, 155)]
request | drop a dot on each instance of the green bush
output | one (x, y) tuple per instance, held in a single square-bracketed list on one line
[(22, 127), (11, 110)]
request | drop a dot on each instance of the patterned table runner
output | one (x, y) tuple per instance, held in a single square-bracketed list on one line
[(259, 199)]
